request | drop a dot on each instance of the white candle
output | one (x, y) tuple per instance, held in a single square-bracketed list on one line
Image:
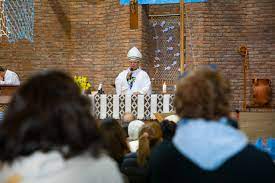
[(164, 87)]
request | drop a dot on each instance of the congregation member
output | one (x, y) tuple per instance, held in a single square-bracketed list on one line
[(49, 135), (127, 118), (168, 129), (135, 165), (8, 77), (133, 131), (114, 139), (134, 80), (205, 147)]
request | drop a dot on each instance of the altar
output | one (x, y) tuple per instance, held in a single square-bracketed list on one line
[(142, 106), (6, 92)]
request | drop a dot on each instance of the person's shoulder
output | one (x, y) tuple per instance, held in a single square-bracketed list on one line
[(143, 71), (101, 160), (85, 167), (122, 73), (131, 155), (89, 164), (10, 72), (165, 149), (251, 152)]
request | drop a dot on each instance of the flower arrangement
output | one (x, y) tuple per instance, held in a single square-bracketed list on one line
[(82, 82)]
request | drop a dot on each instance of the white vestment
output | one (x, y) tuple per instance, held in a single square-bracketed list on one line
[(10, 78), (142, 83)]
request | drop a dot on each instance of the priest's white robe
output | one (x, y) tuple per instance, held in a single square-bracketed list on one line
[(10, 78), (142, 84)]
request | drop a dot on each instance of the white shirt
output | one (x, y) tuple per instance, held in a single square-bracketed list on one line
[(133, 145), (142, 84), (52, 168), (10, 78)]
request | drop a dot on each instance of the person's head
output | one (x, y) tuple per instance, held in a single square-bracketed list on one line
[(174, 118), (134, 57), (2, 71), (203, 93), (168, 129), (149, 135), (127, 118), (125, 121), (134, 128), (48, 112), (114, 139)]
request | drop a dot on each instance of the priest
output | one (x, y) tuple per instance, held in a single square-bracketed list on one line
[(8, 77), (134, 80)]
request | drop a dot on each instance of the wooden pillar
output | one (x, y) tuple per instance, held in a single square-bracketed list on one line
[(182, 36), (244, 53)]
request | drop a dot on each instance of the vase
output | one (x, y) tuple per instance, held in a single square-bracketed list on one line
[(261, 91)]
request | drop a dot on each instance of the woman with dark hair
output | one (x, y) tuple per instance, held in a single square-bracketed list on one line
[(114, 139), (135, 165), (49, 135), (206, 148), (168, 129)]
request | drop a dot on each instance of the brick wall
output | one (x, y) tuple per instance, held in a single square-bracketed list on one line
[(92, 38), (216, 29), (88, 38)]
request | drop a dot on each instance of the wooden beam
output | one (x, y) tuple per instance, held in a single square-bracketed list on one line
[(182, 36), (133, 14)]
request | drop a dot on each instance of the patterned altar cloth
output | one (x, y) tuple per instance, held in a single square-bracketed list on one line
[(142, 106)]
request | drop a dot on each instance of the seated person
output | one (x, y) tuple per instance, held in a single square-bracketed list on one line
[(168, 129), (205, 148), (125, 121), (49, 135), (114, 139), (8, 77), (135, 165), (133, 131)]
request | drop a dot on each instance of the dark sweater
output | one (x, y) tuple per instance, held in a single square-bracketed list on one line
[(134, 172), (250, 165)]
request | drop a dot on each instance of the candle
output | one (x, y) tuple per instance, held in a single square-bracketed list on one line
[(164, 87)]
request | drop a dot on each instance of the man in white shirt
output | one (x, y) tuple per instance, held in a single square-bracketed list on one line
[(134, 80), (8, 77)]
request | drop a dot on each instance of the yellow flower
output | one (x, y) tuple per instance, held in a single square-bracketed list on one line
[(82, 82)]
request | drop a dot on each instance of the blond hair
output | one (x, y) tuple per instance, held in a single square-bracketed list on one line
[(149, 136)]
